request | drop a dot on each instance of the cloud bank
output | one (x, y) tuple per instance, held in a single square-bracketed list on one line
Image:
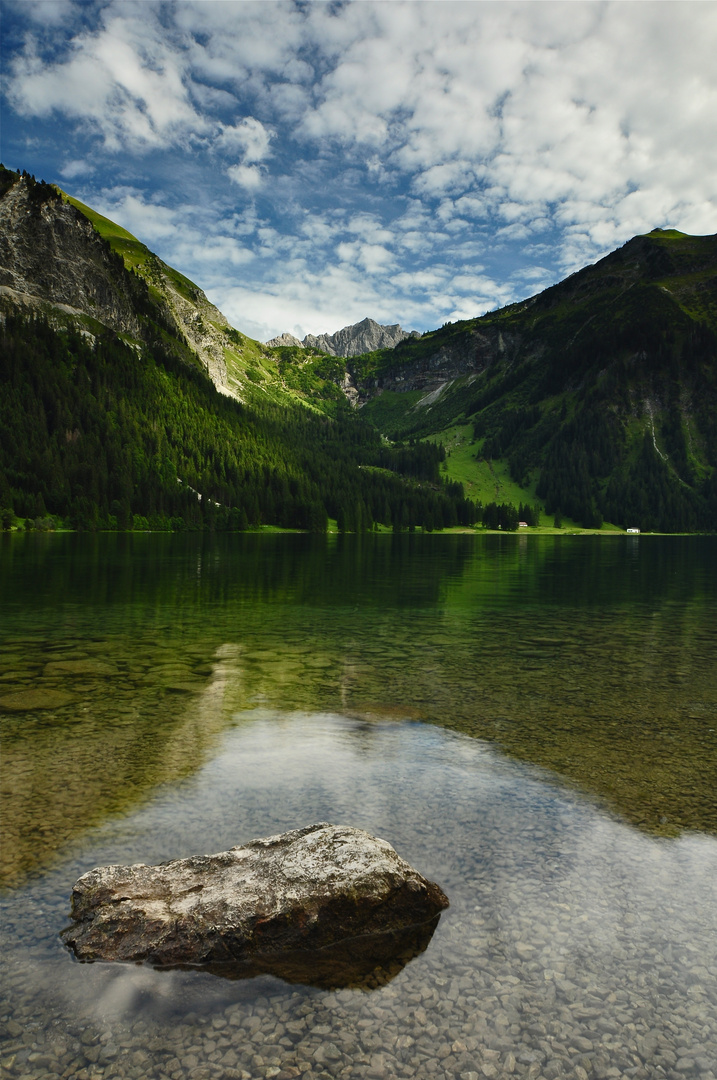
[(418, 162)]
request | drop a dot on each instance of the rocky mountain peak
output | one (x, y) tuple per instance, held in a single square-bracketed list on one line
[(50, 256), (285, 341), (361, 337)]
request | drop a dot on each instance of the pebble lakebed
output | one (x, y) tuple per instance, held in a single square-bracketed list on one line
[(574, 946)]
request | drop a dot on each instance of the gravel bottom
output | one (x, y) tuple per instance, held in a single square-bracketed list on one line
[(574, 946)]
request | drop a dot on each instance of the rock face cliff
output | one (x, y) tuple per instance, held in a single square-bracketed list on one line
[(51, 257), (465, 356), (363, 337), (54, 261)]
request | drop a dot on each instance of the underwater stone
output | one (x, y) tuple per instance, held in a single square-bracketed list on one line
[(34, 698)]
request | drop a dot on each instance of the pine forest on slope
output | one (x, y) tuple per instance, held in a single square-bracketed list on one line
[(126, 394)]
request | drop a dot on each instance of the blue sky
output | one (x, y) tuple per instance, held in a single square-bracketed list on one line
[(310, 164)]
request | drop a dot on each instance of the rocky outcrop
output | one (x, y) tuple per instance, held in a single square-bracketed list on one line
[(284, 341), (362, 337), (50, 255), (53, 261), (203, 326), (325, 899), (463, 356)]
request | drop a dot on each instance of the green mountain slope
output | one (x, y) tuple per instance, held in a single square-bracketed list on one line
[(60, 257), (126, 394), (116, 413), (238, 365), (599, 394)]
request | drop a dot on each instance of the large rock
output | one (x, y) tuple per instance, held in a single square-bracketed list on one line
[(326, 901)]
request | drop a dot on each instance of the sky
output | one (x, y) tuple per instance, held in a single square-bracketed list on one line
[(310, 164)]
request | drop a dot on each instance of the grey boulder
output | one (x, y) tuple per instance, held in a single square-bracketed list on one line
[(322, 904)]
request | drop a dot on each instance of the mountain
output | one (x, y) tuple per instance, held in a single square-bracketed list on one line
[(128, 401), (599, 394), (60, 258), (362, 337), (126, 397), (53, 261)]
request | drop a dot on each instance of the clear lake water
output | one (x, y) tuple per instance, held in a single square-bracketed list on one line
[(530, 721)]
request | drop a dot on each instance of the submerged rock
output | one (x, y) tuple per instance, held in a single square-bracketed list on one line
[(87, 666), (34, 698), (326, 899)]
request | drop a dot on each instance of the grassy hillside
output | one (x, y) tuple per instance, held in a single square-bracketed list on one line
[(598, 396), (134, 253), (595, 401), (257, 374)]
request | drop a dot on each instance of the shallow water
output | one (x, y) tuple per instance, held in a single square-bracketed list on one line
[(517, 717)]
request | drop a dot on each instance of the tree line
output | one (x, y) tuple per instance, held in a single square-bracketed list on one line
[(635, 443), (100, 434)]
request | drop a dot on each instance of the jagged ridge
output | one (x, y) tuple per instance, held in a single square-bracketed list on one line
[(362, 337)]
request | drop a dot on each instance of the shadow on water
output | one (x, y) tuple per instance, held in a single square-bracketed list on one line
[(362, 963)]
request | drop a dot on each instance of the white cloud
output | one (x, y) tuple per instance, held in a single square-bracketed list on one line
[(249, 177), (471, 206), (184, 239), (421, 279), (253, 139), (46, 12), (70, 170), (373, 258), (249, 136), (212, 250), (148, 221), (418, 151), (455, 176), (551, 104), (369, 227), (124, 79), (531, 273)]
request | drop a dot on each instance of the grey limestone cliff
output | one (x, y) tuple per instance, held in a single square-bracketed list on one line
[(362, 337), (464, 356), (54, 262), (51, 257)]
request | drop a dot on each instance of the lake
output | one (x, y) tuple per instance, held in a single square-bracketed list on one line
[(530, 721)]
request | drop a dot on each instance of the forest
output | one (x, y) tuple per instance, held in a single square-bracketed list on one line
[(598, 397), (104, 435)]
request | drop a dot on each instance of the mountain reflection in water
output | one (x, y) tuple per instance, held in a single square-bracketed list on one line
[(124, 658)]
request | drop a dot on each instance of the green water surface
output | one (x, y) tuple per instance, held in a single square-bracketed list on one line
[(123, 660)]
